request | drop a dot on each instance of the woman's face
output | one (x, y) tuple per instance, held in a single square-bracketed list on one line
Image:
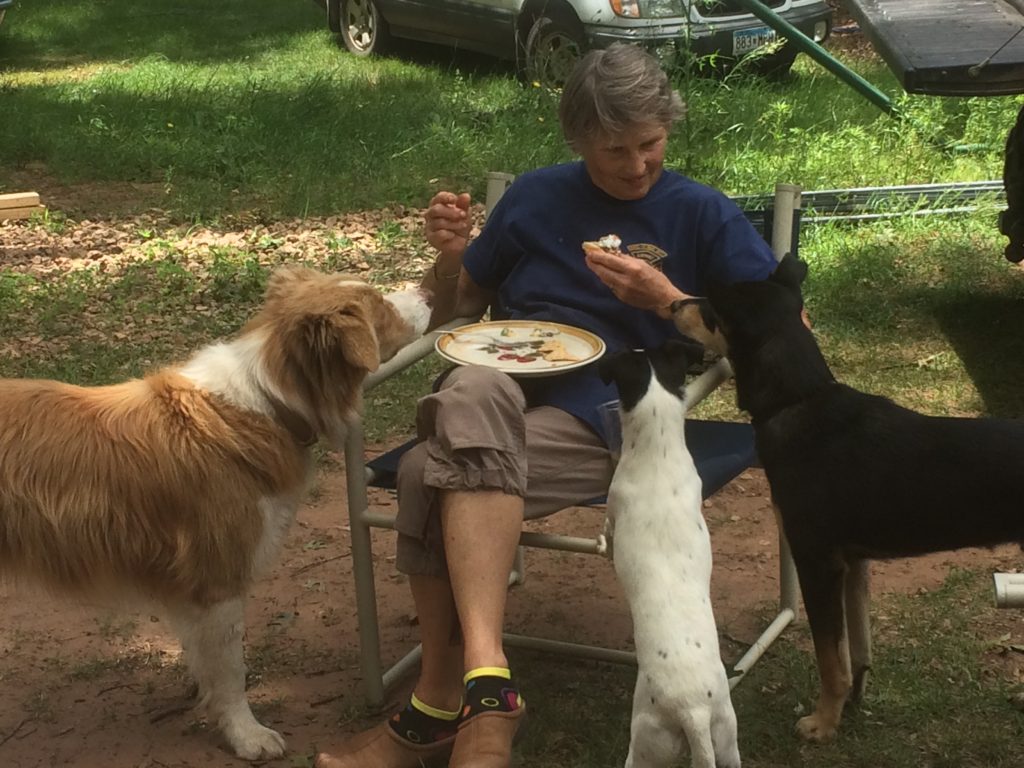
[(627, 164)]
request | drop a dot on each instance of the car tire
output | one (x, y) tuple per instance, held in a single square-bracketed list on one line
[(334, 16), (553, 47), (363, 30)]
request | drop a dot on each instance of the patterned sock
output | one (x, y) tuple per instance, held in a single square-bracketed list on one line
[(490, 689), (423, 724)]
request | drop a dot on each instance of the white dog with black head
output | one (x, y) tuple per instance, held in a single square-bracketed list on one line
[(662, 556)]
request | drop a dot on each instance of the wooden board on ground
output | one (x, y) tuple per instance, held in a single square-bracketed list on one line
[(18, 200), (23, 212)]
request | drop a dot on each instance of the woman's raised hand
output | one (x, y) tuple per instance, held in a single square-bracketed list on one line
[(447, 223)]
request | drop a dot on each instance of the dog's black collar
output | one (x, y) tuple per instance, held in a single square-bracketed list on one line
[(300, 429)]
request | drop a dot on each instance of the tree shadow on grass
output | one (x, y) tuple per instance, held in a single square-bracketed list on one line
[(450, 59), (986, 333), (48, 34)]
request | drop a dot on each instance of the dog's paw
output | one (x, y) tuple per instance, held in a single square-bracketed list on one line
[(253, 741), (814, 728), (606, 540)]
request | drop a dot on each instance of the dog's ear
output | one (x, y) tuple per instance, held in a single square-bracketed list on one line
[(354, 333), (608, 365), (630, 371), (790, 273)]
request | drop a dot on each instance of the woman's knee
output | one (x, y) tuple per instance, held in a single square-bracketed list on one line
[(409, 477), (482, 383)]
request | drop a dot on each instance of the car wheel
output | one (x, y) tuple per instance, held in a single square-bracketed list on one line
[(363, 30), (552, 49), (334, 16)]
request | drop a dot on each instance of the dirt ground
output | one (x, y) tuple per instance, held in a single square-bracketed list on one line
[(86, 686)]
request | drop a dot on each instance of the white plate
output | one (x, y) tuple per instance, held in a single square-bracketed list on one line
[(514, 346)]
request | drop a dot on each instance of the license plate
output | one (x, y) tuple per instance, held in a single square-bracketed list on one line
[(747, 40)]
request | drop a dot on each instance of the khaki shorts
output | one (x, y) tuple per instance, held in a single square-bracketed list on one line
[(478, 434)]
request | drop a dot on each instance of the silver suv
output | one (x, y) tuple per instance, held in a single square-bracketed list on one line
[(546, 37)]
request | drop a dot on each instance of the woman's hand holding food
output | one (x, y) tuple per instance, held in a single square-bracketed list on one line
[(633, 281)]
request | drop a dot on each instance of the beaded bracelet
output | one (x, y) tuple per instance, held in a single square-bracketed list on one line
[(444, 277)]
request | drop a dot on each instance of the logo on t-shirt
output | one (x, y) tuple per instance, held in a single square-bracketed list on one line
[(650, 253)]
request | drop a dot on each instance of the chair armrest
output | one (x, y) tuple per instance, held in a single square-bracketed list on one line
[(708, 382), (411, 353)]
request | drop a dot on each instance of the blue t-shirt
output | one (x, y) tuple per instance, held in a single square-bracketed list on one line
[(530, 252)]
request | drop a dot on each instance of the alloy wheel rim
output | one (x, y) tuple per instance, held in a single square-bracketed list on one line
[(558, 55), (359, 24)]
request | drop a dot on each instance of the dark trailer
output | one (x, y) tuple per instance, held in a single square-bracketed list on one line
[(948, 47)]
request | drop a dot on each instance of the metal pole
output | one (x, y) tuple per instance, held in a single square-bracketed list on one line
[(569, 649), (1009, 590), (787, 202), (756, 651), (820, 55), (497, 183), (362, 567)]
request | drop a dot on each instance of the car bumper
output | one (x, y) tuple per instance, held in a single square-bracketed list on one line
[(716, 36)]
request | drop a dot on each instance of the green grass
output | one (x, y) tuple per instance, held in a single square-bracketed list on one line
[(935, 697), (236, 115), (252, 106)]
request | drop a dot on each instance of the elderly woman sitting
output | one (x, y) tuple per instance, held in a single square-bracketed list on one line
[(497, 450)]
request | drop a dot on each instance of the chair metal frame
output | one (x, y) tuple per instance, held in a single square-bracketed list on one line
[(376, 679)]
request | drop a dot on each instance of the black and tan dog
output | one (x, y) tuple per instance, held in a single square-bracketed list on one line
[(855, 477)]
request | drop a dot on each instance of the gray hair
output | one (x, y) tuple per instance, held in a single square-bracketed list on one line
[(612, 88)]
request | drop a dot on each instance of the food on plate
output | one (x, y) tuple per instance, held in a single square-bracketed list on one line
[(530, 348), (554, 351)]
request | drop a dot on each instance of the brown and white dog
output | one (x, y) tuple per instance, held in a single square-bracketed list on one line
[(179, 487)]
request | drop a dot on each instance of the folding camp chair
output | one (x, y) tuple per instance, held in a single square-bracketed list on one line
[(721, 450)]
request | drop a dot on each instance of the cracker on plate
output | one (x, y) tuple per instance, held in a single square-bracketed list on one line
[(554, 351)]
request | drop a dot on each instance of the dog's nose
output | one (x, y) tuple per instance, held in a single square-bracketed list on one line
[(428, 296)]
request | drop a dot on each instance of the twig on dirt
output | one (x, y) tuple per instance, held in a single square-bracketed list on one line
[(17, 728), (737, 640), (64, 731), (320, 562), (110, 688), (328, 700), (329, 670), (171, 712)]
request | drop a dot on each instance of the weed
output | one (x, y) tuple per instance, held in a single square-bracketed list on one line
[(116, 627)]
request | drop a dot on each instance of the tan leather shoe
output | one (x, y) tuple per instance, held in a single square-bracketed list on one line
[(485, 740), (381, 747)]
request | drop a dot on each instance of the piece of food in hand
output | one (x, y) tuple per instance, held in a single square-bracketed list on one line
[(554, 351), (606, 244)]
